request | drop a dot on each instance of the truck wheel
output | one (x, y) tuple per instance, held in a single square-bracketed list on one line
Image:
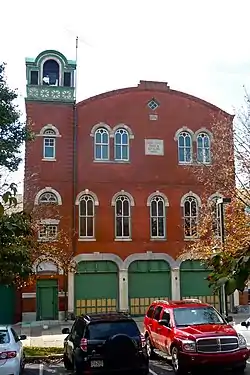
[(150, 349), (177, 365), (67, 364), (241, 369)]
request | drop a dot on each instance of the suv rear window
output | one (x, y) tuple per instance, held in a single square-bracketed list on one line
[(4, 337), (104, 330)]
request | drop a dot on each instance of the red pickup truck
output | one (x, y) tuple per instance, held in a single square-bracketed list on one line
[(193, 334)]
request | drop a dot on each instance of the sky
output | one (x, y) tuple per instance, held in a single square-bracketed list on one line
[(198, 47)]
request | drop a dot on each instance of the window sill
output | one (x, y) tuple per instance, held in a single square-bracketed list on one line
[(86, 239), (112, 161), (158, 239), (191, 239), (46, 240), (48, 159), (183, 163), (122, 239)]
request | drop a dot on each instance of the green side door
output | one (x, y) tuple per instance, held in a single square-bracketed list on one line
[(7, 300), (96, 287), (147, 281), (47, 299)]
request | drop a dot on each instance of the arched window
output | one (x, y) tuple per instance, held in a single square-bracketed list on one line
[(101, 144), (215, 216), (51, 73), (203, 148), (121, 145), (122, 217), (185, 148), (157, 218), (190, 208), (47, 198), (86, 217), (49, 144)]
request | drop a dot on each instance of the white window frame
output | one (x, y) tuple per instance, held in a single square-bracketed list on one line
[(86, 216), (187, 198), (185, 147), (54, 148), (153, 199), (46, 237), (203, 148), (102, 145), (126, 198), (121, 145), (48, 192)]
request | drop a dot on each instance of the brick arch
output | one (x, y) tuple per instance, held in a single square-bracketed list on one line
[(184, 129), (87, 192), (190, 194), (150, 256), (100, 125), (159, 194), (49, 127), (122, 192), (122, 126), (48, 190)]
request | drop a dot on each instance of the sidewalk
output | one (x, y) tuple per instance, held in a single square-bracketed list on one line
[(51, 336)]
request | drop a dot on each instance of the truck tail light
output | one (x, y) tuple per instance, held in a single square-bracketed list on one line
[(84, 345), (143, 340), (7, 355)]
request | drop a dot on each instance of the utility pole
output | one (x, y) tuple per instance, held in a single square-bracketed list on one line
[(223, 297)]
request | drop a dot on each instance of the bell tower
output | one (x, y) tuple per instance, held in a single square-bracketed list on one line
[(50, 78)]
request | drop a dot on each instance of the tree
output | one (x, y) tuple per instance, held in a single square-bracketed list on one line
[(17, 242), (229, 262), (230, 167), (12, 135)]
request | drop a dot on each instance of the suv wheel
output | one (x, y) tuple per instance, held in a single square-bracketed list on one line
[(67, 364), (150, 349), (177, 365)]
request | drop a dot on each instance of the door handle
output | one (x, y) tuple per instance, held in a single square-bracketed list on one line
[(159, 329)]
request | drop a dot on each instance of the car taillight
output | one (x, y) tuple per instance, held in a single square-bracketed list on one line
[(7, 355), (143, 341), (84, 345)]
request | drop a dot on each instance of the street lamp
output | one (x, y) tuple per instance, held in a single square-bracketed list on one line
[(220, 203)]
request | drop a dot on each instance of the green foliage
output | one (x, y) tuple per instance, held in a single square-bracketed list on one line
[(229, 270), (12, 132), (17, 242)]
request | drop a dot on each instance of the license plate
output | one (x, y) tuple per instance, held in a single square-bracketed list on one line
[(96, 364)]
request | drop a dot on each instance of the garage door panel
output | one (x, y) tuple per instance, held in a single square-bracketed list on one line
[(96, 289), (147, 281)]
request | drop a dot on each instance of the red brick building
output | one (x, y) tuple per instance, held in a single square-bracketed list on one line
[(115, 166)]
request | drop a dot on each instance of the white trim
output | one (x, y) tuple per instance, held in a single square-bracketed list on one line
[(215, 195), (54, 148), (102, 145), (44, 258), (155, 194), (50, 221), (100, 125), (122, 192), (190, 194), (33, 295), (122, 126), (203, 130), (48, 190), (49, 127), (59, 62), (184, 129), (150, 256), (98, 257), (86, 192)]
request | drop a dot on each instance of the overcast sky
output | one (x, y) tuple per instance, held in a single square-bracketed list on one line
[(199, 47)]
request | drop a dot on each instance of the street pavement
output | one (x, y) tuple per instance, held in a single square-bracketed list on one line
[(158, 367)]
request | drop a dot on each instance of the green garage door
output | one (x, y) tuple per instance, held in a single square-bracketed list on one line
[(194, 284), (7, 310), (96, 287), (147, 281)]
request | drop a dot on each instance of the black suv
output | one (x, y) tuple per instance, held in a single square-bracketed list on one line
[(105, 343)]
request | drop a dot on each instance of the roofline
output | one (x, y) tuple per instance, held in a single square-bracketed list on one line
[(127, 90)]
